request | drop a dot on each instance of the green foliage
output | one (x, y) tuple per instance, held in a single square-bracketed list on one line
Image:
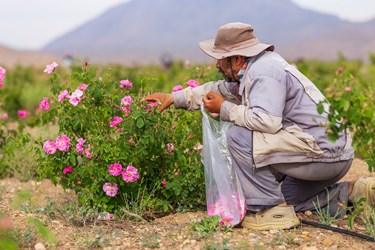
[(44, 232), (141, 140), (16, 159), (369, 221), (7, 243), (22, 90), (208, 225), (22, 199), (352, 108), (324, 213), (24, 237), (361, 209), (71, 212), (142, 202), (7, 240)]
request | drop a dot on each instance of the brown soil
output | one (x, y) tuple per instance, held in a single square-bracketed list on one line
[(169, 232)]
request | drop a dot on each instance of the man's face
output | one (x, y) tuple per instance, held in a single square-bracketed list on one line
[(225, 68)]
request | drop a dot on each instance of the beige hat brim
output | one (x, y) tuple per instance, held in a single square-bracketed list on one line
[(208, 48)]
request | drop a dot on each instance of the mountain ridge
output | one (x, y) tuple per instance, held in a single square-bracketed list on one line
[(144, 30)]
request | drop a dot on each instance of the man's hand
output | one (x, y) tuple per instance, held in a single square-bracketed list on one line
[(164, 100), (213, 101)]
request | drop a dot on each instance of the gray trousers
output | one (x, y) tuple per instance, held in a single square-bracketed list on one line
[(298, 184)]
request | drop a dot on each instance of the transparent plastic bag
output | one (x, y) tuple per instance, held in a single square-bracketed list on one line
[(224, 195)]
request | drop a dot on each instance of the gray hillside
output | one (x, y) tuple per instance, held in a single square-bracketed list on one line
[(143, 30)]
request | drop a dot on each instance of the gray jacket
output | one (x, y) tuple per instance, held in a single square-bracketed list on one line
[(279, 105)]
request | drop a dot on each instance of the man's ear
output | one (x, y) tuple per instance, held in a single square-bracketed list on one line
[(239, 60)]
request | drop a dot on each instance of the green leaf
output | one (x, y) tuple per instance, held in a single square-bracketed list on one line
[(43, 231), (320, 108), (346, 105), (73, 160), (140, 122)]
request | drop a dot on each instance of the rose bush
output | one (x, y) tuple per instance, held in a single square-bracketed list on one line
[(12, 137), (111, 144), (352, 108)]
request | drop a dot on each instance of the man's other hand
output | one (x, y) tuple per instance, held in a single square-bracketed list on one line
[(164, 100), (213, 101)]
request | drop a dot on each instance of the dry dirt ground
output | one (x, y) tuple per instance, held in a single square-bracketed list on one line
[(168, 232)]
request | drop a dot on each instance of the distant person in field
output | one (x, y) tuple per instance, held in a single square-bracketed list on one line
[(278, 145)]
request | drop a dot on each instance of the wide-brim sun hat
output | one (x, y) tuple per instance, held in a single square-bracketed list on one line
[(234, 39)]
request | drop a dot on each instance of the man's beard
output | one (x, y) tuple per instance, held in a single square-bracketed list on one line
[(227, 78)]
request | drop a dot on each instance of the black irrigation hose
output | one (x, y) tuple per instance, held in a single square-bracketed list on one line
[(339, 230)]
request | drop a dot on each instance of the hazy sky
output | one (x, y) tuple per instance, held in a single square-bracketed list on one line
[(31, 24)]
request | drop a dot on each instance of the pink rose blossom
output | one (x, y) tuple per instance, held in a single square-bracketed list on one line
[(153, 104), (81, 141), (75, 98), (3, 74), (63, 94), (348, 89), (222, 208), (1, 84), (80, 149), (164, 183), (110, 189), (87, 152), (226, 219), (150, 106), (22, 113), (192, 83), (198, 146), (130, 140), (126, 101), (50, 147), (63, 143), (126, 84), (50, 68), (177, 88), (115, 169), (130, 174), (88, 155), (44, 104), (170, 147), (83, 86), (115, 121), (126, 111), (340, 70), (4, 116), (176, 174), (67, 170)]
